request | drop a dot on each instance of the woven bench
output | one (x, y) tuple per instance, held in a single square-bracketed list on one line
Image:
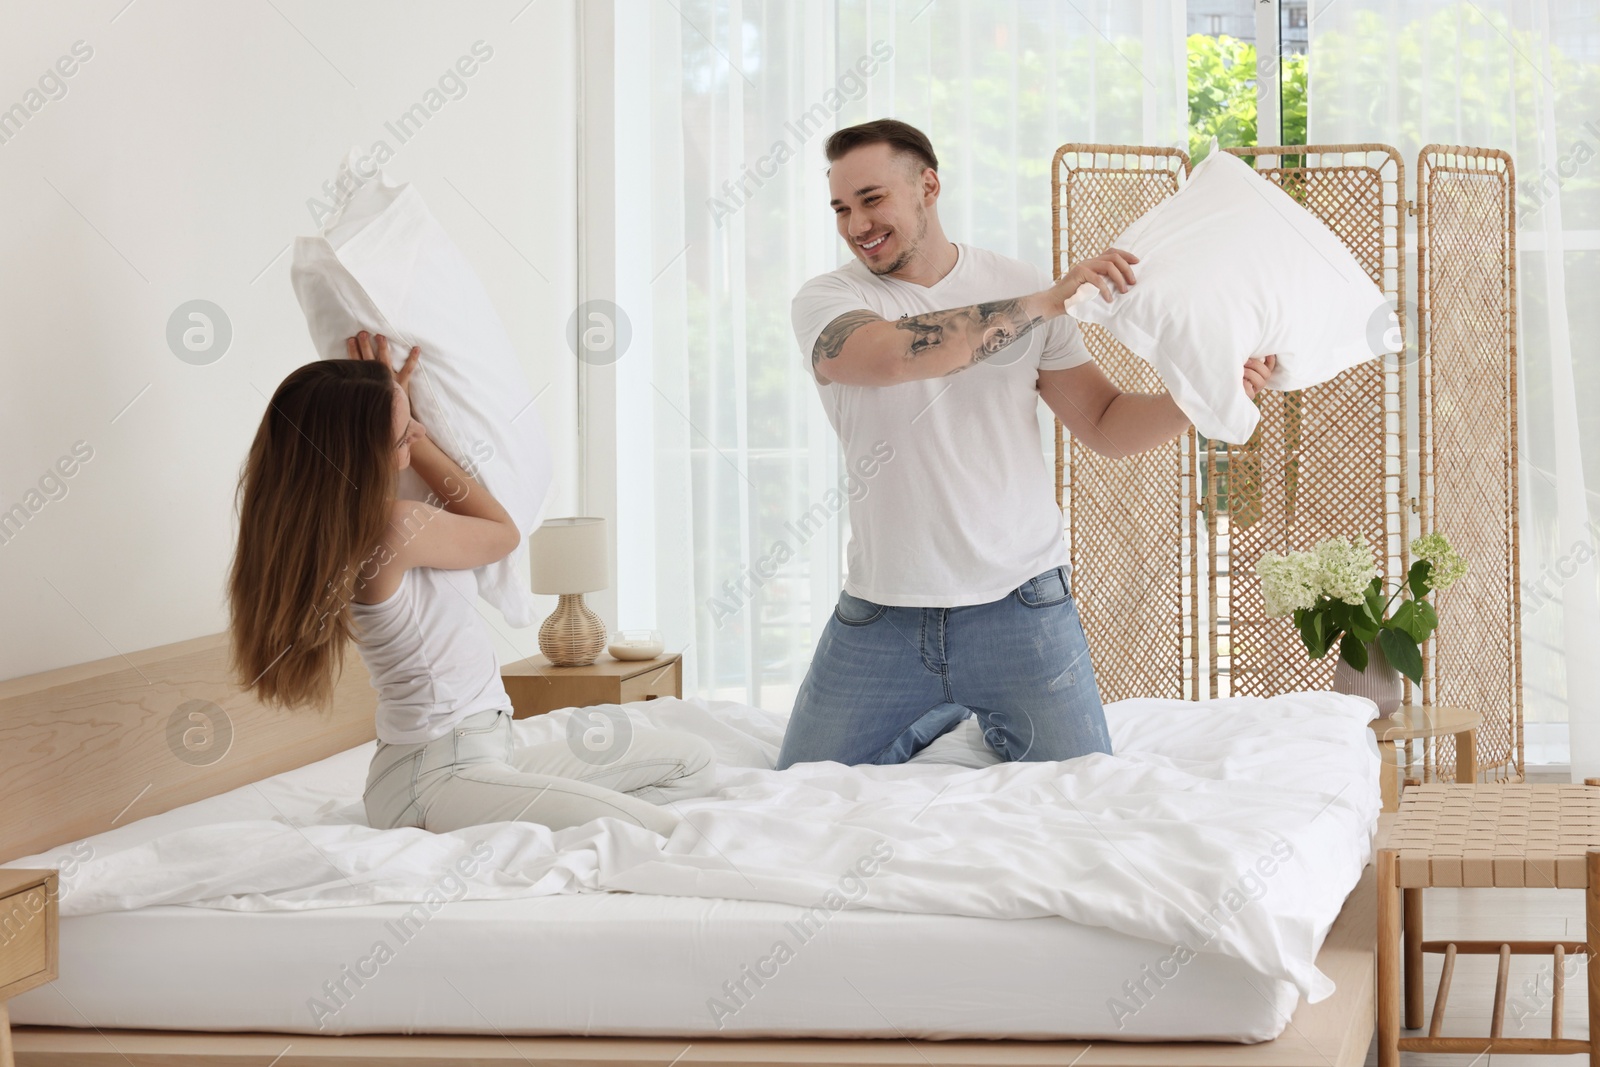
[(1494, 835)]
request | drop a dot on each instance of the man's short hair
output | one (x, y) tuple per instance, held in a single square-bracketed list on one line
[(903, 137)]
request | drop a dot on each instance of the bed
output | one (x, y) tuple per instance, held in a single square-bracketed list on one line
[(87, 757)]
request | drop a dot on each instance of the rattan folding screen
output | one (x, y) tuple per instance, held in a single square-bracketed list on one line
[(1164, 543), (1467, 335)]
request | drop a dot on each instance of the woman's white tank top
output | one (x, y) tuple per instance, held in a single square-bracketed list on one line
[(429, 654)]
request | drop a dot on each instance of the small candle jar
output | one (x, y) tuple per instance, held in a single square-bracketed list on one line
[(636, 644)]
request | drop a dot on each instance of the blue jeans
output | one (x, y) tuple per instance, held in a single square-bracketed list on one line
[(886, 681)]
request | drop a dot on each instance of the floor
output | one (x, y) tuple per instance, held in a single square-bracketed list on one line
[(1507, 914)]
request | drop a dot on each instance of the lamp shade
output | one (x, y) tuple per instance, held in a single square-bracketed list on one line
[(569, 556)]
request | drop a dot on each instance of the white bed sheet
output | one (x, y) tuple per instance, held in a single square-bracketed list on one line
[(639, 963)]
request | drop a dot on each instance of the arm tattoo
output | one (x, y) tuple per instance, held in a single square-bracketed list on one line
[(831, 341), (924, 334), (985, 329), (988, 328)]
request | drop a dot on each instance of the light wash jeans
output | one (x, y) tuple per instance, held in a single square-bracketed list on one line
[(886, 681), (476, 774)]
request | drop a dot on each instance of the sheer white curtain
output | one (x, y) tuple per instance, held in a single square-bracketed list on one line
[(732, 515), (1522, 75)]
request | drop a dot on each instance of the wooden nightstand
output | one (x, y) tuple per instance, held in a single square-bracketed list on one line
[(536, 686), (28, 942)]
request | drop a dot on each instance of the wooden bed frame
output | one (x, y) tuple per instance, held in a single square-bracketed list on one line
[(90, 747)]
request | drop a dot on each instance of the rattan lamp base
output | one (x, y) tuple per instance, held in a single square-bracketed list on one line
[(573, 636)]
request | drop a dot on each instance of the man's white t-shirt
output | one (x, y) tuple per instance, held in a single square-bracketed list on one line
[(958, 507)]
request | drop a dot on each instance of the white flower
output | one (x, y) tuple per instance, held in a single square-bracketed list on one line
[(1445, 563), (1346, 569), (1335, 568), (1289, 582)]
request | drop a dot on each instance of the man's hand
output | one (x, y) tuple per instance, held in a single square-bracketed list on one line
[(1257, 369), (1110, 271)]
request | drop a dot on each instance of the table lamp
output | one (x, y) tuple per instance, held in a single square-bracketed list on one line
[(567, 558)]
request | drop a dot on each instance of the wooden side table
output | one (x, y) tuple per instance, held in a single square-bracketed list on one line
[(29, 947), (535, 685), (1511, 834), (1416, 721)]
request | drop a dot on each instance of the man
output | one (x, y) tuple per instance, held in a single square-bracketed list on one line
[(957, 600)]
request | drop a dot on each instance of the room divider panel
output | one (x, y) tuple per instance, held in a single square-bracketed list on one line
[(1467, 336), (1164, 543), (1132, 518)]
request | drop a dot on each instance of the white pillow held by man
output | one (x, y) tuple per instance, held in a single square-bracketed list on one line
[(1231, 267)]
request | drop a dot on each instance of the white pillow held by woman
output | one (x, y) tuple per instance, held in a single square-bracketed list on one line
[(384, 264)]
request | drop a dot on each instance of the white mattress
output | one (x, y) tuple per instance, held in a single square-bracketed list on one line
[(617, 963), (632, 964)]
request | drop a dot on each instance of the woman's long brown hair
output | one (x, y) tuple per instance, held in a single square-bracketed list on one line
[(314, 500)]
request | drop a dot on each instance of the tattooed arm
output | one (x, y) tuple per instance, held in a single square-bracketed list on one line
[(863, 348), (880, 352)]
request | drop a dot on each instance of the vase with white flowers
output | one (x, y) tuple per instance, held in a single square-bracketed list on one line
[(1335, 593)]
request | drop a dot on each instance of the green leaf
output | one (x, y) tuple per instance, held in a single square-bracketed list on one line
[(1374, 603), (1316, 632), (1404, 616), (1415, 618), (1422, 621), (1308, 634), (1353, 652), (1418, 578), (1363, 627), (1400, 649), (1427, 621)]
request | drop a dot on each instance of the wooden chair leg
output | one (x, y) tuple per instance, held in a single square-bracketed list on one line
[(1389, 959), (1591, 909), (6, 1054), (1412, 931)]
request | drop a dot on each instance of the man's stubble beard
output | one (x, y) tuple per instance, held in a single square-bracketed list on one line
[(904, 257)]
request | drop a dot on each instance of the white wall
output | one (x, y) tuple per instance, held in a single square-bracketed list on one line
[(178, 166)]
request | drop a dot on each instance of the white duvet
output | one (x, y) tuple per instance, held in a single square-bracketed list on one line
[(1232, 826)]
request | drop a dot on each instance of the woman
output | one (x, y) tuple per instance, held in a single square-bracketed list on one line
[(328, 553)]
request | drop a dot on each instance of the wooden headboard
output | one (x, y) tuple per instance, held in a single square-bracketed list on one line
[(93, 746)]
